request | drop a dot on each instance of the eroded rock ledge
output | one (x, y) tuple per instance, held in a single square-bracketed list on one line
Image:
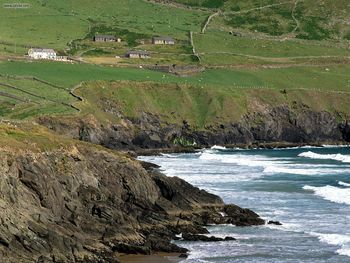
[(85, 204)]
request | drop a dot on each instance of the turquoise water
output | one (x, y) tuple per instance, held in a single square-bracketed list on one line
[(307, 189)]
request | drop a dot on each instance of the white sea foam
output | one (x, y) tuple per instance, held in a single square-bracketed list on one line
[(241, 159), (297, 147), (316, 169), (336, 157), (286, 170), (343, 241), (331, 193), (289, 227), (271, 165), (335, 146), (344, 184), (344, 251), (218, 147)]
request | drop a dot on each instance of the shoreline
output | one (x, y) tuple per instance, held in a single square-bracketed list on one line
[(155, 258), (268, 145)]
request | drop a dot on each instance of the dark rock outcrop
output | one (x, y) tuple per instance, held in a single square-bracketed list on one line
[(193, 237), (277, 223), (86, 204)]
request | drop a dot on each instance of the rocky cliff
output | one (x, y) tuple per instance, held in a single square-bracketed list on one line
[(75, 202), (276, 125)]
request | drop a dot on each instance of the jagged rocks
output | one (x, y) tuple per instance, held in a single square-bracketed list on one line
[(85, 204)]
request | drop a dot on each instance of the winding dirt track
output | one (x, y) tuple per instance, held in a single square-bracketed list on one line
[(205, 26)]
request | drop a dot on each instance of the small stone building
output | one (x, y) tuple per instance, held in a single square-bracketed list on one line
[(138, 54), (42, 53), (163, 41), (106, 38)]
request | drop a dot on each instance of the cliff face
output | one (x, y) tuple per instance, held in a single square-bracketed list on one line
[(81, 203), (275, 125)]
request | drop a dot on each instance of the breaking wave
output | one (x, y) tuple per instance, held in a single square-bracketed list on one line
[(344, 184), (271, 165), (240, 159), (337, 157), (218, 147), (342, 241), (331, 193)]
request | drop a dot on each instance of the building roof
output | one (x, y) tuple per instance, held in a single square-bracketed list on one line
[(169, 39), (105, 36), (43, 50), (137, 52)]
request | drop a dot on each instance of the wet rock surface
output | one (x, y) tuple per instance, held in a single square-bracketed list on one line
[(87, 204), (277, 223)]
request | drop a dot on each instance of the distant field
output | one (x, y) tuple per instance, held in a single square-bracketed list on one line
[(56, 23), (334, 78), (214, 42)]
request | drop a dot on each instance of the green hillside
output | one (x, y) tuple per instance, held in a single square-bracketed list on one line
[(56, 23), (307, 19), (201, 106), (240, 27), (238, 46)]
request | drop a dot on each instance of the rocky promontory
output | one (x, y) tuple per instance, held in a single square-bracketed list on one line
[(68, 201)]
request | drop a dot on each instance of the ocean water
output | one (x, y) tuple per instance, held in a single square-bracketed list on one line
[(307, 189)]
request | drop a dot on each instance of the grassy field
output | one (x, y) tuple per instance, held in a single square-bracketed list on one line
[(56, 23), (24, 97), (334, 78), (214, 42)]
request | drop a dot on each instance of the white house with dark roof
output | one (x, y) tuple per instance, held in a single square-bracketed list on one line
[(42, 53)]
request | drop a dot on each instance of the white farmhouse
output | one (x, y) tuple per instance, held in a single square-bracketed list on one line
[(42, 53)]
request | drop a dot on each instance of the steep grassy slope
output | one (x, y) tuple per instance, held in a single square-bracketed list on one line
[(199, 106), (200, 88)]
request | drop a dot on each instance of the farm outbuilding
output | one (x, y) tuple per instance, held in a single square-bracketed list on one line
[(163, 41), (106, 38), (138, 54)]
